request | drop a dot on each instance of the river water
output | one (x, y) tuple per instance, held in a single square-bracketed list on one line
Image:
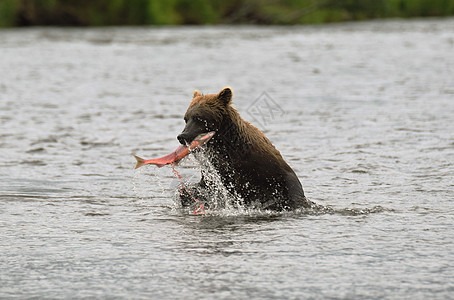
[(363, 112)]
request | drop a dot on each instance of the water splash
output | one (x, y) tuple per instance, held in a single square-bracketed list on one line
[(222, 196), (222, 201)]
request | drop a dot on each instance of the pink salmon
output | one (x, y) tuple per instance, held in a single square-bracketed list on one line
[(178, 154)]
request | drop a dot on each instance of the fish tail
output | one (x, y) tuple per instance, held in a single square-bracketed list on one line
[(140, 162)]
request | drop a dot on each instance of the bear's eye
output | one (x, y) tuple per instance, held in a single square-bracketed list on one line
[(185, 119)]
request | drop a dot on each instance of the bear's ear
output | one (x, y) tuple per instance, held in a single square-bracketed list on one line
[(226, 95), (197, 93)]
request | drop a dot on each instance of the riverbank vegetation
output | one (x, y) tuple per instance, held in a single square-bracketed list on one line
[(179, 12)]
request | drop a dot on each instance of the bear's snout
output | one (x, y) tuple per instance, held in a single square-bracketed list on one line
[(183, 139)]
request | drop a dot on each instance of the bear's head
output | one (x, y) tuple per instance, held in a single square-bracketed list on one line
[(206, 113)]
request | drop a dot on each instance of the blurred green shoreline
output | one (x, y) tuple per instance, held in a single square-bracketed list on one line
[(15, 13)]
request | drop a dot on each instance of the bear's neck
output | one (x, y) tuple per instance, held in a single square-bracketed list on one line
[(231, 135), (237, 138), (232, 138)]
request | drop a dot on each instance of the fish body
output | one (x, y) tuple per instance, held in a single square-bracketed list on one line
[(177, 155)]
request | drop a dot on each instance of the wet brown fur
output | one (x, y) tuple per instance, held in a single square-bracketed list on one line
[(249, 134), (242, 155)]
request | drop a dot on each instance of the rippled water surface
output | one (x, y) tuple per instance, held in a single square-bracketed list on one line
[(365, 119)]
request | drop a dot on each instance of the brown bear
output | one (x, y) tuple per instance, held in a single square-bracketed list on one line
[(247, 163)]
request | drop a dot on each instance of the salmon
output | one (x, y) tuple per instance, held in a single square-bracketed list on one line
[(177, 155)]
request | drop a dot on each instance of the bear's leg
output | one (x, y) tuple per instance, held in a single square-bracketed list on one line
[(193, 196)]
